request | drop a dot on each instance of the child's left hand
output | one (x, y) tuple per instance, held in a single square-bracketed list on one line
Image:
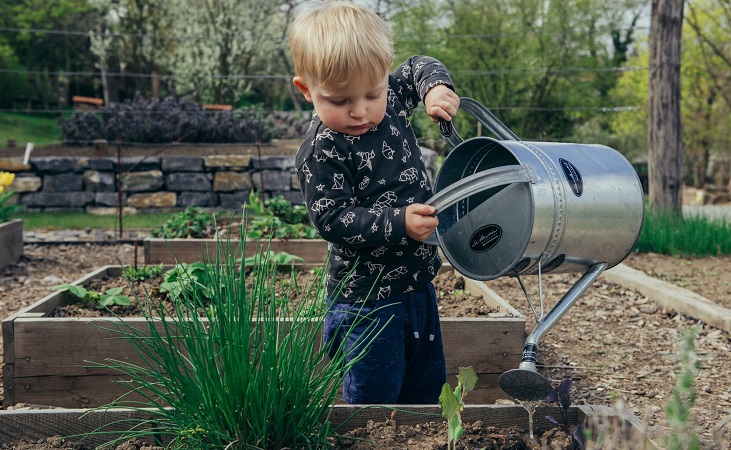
[(441, 103)]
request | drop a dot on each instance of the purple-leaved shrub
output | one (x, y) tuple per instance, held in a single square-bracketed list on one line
[(169, 120)]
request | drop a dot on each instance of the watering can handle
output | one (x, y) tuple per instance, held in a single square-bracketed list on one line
[(483, 115), (479, 182)]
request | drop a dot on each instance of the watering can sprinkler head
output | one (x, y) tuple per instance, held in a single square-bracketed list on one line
[(525, 383)]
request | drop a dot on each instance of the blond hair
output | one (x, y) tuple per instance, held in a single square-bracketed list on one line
[(337, 43)]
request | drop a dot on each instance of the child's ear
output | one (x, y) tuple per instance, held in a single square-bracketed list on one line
[(302, 86)]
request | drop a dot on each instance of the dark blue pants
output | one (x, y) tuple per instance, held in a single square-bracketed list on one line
[(404, 364)]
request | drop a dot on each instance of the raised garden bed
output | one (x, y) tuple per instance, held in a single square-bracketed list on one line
[(11, 242), (46, 358), (172, 251), (34, 425)]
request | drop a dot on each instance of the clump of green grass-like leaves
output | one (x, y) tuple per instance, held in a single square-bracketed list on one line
[(228, 371), (675, 235)]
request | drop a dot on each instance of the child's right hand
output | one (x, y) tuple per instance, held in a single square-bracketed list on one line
[(420, 221), (441, 103)]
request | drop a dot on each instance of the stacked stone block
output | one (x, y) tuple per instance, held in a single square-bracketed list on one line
[(151, 184), (154, 183)]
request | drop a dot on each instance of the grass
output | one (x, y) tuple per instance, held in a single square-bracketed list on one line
[(81, 221), (24, 128), (683, 236)]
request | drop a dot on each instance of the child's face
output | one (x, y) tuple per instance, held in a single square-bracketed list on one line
[(352, 110)]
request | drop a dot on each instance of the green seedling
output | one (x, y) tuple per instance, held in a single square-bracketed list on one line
[(452, 403), (112, 297), (191, 223), (185, 278), (278, 218), (272, 258), (141, 273)]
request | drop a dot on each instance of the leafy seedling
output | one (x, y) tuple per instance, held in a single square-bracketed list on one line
[(112, 297), (141, 273), (452, 403), (184, 278), (563, 397)]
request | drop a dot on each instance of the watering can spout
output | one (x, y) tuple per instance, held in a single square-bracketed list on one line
[(525, 383)]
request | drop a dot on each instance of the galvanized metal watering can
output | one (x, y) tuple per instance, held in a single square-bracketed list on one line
[(509, 208)]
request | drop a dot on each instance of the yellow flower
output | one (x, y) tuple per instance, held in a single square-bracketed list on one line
[(5, 179)]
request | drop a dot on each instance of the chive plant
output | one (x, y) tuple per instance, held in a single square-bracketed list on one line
[(233, 369)]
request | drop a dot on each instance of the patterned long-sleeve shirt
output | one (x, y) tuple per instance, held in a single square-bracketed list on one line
[(357, 189)]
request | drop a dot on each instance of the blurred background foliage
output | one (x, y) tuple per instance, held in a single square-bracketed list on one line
[(569, 70)]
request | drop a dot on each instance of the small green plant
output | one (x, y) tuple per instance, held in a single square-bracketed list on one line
[(184, 278), (682, 398), (191, 223), (563, 397), (112, 297), (274, 258), (141, 273), (278, 218), (452, 403), (6, 211)]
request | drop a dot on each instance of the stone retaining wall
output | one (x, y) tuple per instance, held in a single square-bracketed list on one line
[(154, 183)]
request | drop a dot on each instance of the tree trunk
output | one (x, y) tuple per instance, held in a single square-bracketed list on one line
[(665, 142)]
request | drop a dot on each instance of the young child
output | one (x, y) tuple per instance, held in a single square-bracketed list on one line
[(364, 183)]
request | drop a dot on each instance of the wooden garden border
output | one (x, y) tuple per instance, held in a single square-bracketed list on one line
[(11, 242), (38, 424), (171, 251), (46, 359)]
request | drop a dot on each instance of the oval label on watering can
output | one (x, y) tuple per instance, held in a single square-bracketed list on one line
[(485, 238), (572, 176)]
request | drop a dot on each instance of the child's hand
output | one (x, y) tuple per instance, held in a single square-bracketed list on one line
[(441, 103), (420, 223)]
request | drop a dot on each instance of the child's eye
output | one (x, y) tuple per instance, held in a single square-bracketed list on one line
[(338, 102)]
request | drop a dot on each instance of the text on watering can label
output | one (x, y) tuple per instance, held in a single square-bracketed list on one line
[(485, 238)]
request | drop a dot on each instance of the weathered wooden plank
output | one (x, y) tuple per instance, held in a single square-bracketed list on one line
[(11, 242), (39, 424), (67, 346), (671, 296), (32, 425), (171, 251), (90, 391), (72, 391)]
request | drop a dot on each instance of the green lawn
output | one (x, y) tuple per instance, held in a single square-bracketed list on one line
[(81, 221), (41, 129)]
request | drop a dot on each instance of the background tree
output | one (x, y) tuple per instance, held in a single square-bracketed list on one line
[(145, 45), (709, 38), (544, 67), (50, 56), (228, 42), (665, 143)]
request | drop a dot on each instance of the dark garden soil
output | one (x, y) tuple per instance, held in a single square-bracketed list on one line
[(454, 300), (619, 348)]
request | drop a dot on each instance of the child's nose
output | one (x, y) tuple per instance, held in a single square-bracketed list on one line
[(358, 110)]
